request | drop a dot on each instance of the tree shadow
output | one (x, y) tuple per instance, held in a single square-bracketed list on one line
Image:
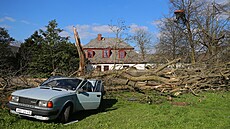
[(106, 106)]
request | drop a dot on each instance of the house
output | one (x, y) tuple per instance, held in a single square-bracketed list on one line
[(111, 53)]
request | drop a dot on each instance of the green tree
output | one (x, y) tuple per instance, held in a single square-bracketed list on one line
[(29, 53), (7, 58), (47, 52), (66, 58)]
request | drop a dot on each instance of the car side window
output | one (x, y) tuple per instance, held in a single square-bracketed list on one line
[(87, 87), (98, 86)]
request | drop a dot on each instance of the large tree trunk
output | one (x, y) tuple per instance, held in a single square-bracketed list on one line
[(191, 43), (82, 63)]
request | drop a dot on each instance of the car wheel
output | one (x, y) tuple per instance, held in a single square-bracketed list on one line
[(64, 116)]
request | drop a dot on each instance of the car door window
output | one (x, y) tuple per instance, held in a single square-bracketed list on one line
[(98, 86), (87, 87)]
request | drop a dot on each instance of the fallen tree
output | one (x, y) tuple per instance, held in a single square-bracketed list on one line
[(170, 80), (165, 79)]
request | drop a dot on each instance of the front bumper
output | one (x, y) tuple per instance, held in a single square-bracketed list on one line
[(40, 114)]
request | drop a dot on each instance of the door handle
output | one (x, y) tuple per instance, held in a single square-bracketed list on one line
[(98, 95)]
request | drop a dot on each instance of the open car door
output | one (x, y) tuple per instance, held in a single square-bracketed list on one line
[(88, 97), (98, 86)]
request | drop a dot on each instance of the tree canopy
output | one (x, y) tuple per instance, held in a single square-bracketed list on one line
[(47, 52), (202, 35), (8, 61)]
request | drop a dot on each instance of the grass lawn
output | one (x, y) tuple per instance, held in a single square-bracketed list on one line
[(131, 110)]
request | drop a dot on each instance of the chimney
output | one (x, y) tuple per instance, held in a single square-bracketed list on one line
[(99, 37)]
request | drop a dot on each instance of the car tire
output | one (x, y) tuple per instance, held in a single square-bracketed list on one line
[(65, 114)]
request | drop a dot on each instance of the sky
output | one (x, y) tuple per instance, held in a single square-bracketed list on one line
[(91, 17), (23, 17)]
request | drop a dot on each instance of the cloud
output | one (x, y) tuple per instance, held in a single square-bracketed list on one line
[(135, 27), (157, 23), (25, 22), (89, 31), (65, 34), (5, 26), (43, 28), (87, 35), (7, 19), (10, 19), (161, 22), (102, 29), (219, 1), (82, 28)]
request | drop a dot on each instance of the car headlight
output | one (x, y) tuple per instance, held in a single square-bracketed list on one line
[(14, 98), (43, 103)]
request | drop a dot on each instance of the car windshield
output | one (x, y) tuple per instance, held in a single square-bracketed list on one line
[(70, 84)]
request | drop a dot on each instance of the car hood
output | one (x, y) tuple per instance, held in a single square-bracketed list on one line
[(41, 93)]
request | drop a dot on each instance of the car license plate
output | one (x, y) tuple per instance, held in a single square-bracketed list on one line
[(23, 111)]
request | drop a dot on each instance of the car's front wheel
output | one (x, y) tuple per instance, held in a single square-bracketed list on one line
[(65, 114)]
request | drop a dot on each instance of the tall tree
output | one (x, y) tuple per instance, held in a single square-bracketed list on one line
[(118, 29), (51, 38), (203, 24), (143, 40), (212, 27), (48, 52), (8, 61), (172, 42), (29, 52), (190, 9)]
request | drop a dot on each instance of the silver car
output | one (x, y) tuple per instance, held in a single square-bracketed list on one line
[(57, 98)]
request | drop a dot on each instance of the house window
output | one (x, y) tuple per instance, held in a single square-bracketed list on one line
[(90, 54), (122, 54), (98, 68), (125, 66), (106, 53), (106, 68)]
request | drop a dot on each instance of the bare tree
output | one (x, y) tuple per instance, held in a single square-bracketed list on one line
[(143, 41), (212, 27), (186, 14), (171, 44), (118, 29)]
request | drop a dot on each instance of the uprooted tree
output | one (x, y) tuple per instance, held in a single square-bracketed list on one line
[(168, 80)]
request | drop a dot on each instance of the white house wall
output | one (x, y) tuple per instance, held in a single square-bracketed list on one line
[(137, 66), (119, 66)]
